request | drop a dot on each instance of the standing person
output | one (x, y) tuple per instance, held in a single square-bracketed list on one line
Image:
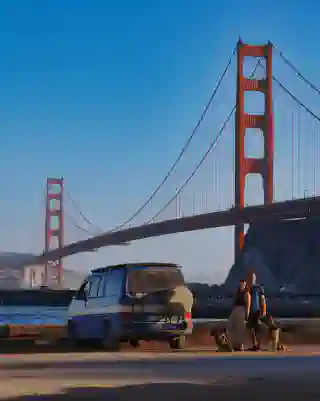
[(237, 321), (258, 315)]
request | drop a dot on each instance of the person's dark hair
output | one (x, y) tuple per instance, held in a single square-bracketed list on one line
[(242, 283)]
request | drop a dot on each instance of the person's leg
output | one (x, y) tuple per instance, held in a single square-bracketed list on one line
[(274, 331), (255, 332)]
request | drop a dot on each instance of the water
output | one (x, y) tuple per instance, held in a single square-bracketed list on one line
[(37, 315)]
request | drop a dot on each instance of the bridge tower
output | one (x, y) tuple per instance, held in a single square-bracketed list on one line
[(54, 226), (249, 165)]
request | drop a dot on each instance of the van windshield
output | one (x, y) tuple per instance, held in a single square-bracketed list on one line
[(150, 279)]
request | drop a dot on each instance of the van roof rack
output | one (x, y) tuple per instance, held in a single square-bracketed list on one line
[(137, 264)]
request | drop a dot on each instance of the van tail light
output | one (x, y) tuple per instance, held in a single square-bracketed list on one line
[(188, 319), (187, 316)]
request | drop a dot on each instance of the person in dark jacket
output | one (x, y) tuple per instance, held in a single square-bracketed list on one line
[(258, 315)]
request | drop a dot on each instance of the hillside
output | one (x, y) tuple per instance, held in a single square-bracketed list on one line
[(72, 279), (15, 260), (285, 254)]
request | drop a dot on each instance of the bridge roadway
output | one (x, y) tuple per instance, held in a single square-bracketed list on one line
[(291, 209), (193, 375)]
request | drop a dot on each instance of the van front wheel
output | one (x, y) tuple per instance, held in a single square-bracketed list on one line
[(110, 341), (177, 342), (72, 339)]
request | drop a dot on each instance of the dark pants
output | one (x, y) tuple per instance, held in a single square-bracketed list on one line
[(254, 323)]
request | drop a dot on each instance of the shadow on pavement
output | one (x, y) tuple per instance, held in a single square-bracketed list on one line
[(102, 368), (224, 390)]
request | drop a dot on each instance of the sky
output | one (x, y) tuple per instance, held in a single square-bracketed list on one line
[(106, 93)]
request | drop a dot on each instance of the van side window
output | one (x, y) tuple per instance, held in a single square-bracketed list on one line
[(101, 285), (95, 283), (114, 283)]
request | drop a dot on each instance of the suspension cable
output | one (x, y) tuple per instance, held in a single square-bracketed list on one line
[(297, 72), (197, 167), (73, 222), (213, 143), (306, 108), (185, 147), (96, 228)]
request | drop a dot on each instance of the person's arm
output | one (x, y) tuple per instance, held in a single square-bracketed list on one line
[(247, 298)]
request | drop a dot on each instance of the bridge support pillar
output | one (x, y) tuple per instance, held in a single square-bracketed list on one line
[(54, 226), (249, 165)]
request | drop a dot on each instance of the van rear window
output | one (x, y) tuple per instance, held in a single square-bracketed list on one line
[(149, 279)]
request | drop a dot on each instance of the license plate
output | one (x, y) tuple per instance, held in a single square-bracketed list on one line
[(171, 320)]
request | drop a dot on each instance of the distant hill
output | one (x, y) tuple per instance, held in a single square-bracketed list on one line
[(284, 254), (15, 260), (72, 279)]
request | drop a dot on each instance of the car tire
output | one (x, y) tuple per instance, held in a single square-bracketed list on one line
[(72, 339), (177, 343), (110, 341), (134, 343)]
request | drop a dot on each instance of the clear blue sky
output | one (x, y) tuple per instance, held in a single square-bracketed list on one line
[(105, 93)]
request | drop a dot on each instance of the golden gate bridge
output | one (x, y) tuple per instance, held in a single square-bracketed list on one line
[(173, 216)]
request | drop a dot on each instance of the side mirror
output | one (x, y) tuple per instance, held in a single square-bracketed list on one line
[(81, 295)]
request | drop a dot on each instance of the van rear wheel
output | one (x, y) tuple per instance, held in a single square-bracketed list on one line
[(110, 342), (177, 342), (134, 343)]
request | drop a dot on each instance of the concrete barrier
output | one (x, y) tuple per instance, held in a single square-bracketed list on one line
[(293, 331), (285, 323)]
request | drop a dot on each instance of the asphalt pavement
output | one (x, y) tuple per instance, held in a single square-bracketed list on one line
[(190, 375)]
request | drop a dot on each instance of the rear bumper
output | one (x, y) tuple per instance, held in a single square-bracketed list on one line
[(155, 331)]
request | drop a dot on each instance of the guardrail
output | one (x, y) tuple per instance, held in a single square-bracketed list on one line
[(56, 331), (17, 322)]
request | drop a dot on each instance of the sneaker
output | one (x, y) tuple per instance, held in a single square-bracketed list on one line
[(254, 348)]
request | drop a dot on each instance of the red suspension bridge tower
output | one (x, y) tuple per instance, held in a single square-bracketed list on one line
[(54, 225), (250, 165)]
